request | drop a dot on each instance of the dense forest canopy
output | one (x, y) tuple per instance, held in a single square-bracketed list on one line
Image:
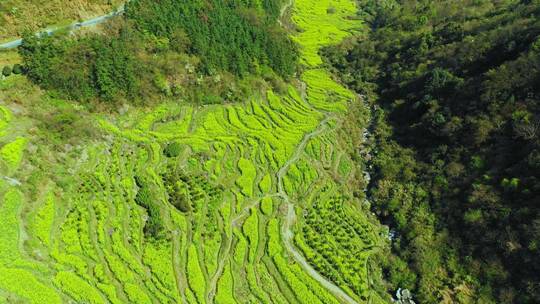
[(230, 35), (457, 162), (166, 48)]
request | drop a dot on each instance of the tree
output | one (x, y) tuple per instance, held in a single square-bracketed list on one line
[(6, 71), (17, 69)]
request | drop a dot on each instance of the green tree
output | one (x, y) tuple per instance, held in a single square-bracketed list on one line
[(6, 71)]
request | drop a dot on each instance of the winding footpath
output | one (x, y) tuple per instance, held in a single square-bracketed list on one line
[(284, 8), (290, 219), (73, 27)]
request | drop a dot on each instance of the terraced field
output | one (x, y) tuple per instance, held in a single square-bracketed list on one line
[(240, 203)]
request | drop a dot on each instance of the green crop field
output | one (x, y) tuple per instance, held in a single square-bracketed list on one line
[(250, 202)]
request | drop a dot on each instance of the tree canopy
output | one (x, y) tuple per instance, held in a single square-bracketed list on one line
[(457, 171), (165, 48)]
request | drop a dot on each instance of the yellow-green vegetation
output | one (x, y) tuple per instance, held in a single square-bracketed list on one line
[(320, 26), (9, 211), (225, 292), (17, 276), (5, 118), (338, 242), (12, 153), (77, 288), (25, 285), (182, 203), (250, 230), (245, 181), (195, 275), (42, 220)]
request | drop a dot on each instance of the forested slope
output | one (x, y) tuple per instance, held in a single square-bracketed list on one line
[(231, 35), (201, 51), (455, 87)]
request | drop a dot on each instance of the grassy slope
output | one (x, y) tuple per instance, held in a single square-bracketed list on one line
[(18, 15), (76, 231)]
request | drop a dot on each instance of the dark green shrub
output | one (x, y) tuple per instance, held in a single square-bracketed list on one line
[(179, 197), (17, 69), (154, 226), (6, 71), (173, 149), (212, 99)]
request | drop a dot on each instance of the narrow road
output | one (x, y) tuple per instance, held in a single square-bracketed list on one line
[(290, 219), (74, 26)]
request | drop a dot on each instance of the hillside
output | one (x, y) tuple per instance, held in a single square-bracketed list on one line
[(130, 175), (456, 175), (16, 16), (270, 151)]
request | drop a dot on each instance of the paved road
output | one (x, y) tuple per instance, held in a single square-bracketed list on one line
[(75, 26)]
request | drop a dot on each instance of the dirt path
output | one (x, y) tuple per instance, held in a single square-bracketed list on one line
[(224, 254), (290, 219), (181, 281), (283, 10)]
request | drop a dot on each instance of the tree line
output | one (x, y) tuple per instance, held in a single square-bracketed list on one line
[(230, 35), (205, 51)]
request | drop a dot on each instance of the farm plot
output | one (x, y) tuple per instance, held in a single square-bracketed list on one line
[(186, 204)]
